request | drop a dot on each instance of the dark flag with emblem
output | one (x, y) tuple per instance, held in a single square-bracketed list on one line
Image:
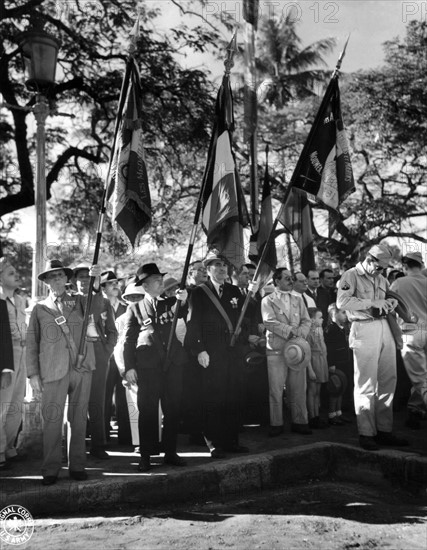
[(324, 167), (296, 216), (128, 191), (269, 262), (224, 209)]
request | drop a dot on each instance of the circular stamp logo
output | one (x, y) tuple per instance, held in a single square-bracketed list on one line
[(16, 525)]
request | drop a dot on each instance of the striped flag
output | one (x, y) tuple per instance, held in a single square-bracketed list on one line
[(224, 209), (324, 167), (297, 219), (250, 15), (128, 191)]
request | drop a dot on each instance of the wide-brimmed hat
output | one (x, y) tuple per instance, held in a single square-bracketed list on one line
[(81, 267), (297, 353), (145, 271), (54, 265), (337, 383), (108, 277), (382, 254), (212, 257), (133, 289), (170, 282), (416, 256)]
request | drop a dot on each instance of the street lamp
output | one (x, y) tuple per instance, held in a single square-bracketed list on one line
[(39, 50)]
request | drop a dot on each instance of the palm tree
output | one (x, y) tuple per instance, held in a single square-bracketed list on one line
[(284, 65)]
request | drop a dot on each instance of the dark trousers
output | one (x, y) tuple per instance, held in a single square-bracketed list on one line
[(222, 399), (115, 387), (191, 402), (97, 397), (154, 386)]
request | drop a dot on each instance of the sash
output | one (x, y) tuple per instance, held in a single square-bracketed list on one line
[(219, 307)]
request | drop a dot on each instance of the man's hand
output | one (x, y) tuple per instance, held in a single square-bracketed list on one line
[(253, 286), (381, 305), (392, 304), (6, 380), (203, 359), (131, 376), (36, 383), (182, 295), (253, 339), (332, 369), (95, 271)]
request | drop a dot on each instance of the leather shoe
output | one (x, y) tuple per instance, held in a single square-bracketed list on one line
[(216, 453), (302, 429), (388, 439), (368, 443), (317, 423), (144, 464), (236, 449), (413, 422), (78, 475), (336, 421), (174, 460), (275, 431), (99, 453), (49, 480)]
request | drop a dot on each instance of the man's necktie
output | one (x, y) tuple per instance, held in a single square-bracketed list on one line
[(221, 289)]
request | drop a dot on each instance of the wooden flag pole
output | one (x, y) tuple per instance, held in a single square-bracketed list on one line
[(103, 208), (229, 62)]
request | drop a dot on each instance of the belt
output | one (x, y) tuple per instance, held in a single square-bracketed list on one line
[(93, 339), (368, 320)]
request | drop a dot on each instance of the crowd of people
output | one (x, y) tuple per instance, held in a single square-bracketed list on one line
[(321, 347)]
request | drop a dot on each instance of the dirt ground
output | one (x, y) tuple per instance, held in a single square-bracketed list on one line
[(320, 515)]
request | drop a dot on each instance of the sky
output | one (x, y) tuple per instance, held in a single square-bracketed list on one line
[(370, 22)]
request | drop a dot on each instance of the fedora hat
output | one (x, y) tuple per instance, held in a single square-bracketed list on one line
[(80, 267), (213, 256), (170, 282), (108, 277), (297, 353), (146, 271), (416, 256), (337, 383), (54, 265)]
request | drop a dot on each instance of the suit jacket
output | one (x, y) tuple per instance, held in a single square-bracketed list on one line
[(6, 348), (311, 294), (146, 334), (281, 315), (47, 347), (337, 345), (103, 316), (206, 327)]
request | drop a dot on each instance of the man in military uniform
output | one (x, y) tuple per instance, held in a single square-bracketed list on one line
[(53, 340), (362, 293)]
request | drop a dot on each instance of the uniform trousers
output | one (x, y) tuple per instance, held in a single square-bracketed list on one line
[(279, 375), (114, 386), (11, 400), (375, 377), (414, 354), (97, 397), (75, 385)]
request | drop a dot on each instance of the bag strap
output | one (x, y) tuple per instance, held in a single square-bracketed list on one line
[(61, 321), (219, 307)]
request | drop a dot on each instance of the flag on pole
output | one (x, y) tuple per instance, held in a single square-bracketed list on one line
[(224, 211), (296, 217), (128, 191), (324, 167), (269, 262), (250, 15)]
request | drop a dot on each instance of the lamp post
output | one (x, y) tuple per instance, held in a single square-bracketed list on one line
[(39, 51)]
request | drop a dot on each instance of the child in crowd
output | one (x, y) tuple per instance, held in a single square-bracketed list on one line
[(339, 360), (319, 366)]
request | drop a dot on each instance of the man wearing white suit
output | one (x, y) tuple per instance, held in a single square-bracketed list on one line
[(285, 317)]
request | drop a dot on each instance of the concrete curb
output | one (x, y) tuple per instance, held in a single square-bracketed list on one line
[(225, 478)]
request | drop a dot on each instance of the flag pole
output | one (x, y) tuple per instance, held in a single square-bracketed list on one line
[(123, 92), (271, 237), (229, 62)]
